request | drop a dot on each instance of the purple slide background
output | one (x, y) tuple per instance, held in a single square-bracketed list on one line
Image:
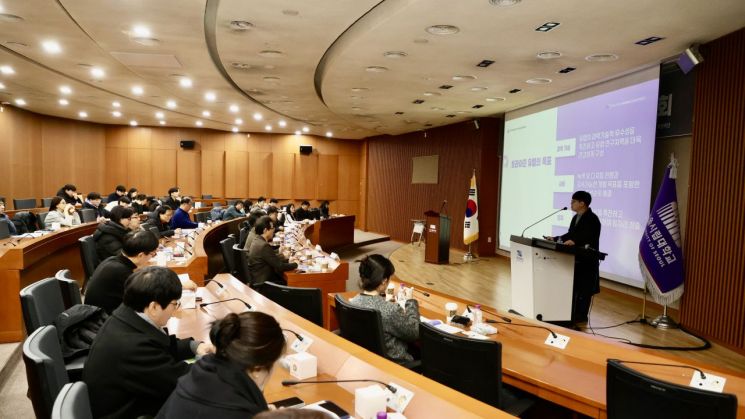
[(633, 162)]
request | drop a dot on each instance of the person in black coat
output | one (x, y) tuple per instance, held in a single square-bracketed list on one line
[(109, 236), (119, 192), (584, 232), (133, 363), (303, 213), (174, 198), (324, 210), (70, 194), (93, 201), (139, 204), (161, 218), (229, 384), (106, 286), (264, 263)]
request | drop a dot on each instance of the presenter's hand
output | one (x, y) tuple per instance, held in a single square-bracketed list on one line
[(205, 348), (569, 243)]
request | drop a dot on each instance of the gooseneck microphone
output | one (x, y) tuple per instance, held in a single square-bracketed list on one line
[(222, 301), (703, 376), (216, 282), (553, 334), (505, 319), (288, 383), (426, 294), (549, 215), (297, 335)]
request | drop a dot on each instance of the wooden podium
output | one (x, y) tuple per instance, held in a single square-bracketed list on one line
[(437, 245)]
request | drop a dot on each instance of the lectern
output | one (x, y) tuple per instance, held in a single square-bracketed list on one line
[(437, 246), (542, 274)]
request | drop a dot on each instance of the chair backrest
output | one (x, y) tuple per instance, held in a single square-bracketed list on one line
[(305, 302), (363, 326), (243, 235), (72, 402), (87, 215), (4, 229), (206, 196), (226, 247), (471, 366), (69, 287), (41, 303), (153, 229), (232, 201), (202, 217), (241, 264), (42, 218), (89, 257), (24, 203), (46, 202), (45, 369)]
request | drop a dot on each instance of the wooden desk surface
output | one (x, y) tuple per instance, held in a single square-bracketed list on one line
[(337, 359), (573, 377)]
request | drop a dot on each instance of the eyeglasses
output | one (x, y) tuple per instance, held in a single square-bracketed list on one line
[(177, 304)]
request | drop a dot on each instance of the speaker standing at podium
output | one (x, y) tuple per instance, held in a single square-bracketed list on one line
[(584, 231)]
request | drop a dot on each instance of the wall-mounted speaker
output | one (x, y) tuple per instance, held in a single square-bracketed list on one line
[(187, 144), (306, 149), (690, 58)]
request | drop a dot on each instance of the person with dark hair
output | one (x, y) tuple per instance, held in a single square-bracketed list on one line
[(584, 232), (106, 286), (263, 262), (234, 211), (324, 208), (151, 203), (134, 364), (5, 219), (132, 193), (400, 325), (274, 202), (174, 198), (161, 218), (229, 384), (293, 413), (93, 201), (61, 212), (70, 194), (303, 213), (123, 201), (181, 217), (289, 215), (273, 213), (260, 204), (138, 204), (251, 223), (119, 191), (109, 236), (247, 205)]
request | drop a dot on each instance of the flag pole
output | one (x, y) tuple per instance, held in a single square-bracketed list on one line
[(468, 257)]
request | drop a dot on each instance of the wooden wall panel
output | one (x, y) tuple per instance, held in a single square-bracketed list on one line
[(139, 173), (327, 186), (90, 157), (189, 172), (57, 156), (163, 170), (213, 172), (259, 174), (349, 177), (236, 174), (306, 176), (283, 174), (714, 300), (116, 168)]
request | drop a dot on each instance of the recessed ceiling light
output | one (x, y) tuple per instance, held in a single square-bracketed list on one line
[(269, 67), (6, 69), (238, 121), (185, 82), (282, 123), (162, 122), (495, 99), (2, 86), (133, 123), (137, 90), (240, 25), (233, 108), (20, 102), (290, 12), (116, 104), (83, 114), (354, 97), (268, 127), (601, 57), (159, 115), (241, 66), (306, 129), (65, 90), (394, 54), (459, 77), (297, 132), (97, 72), (355, 108), (270, 53), (116, 114), (257, 116), (462, 112), (329, 134), (504, 2), (210, 96), (198, 123), (376, 69), (51, 47), (442, 29), (271, 79), (141, 31), (206, 114), (171, 104), (234, 129), (359, 89), (548, 55), (478, 89), (63, 102)]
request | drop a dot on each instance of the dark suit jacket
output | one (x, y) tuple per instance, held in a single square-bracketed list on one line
[(164, 228), (301, 214), (585, 232), (133, 367), (174, 204), (105, 289), (265, 264), (113, 197)]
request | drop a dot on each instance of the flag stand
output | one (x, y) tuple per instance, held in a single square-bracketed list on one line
[(468, 257), (663, 321)]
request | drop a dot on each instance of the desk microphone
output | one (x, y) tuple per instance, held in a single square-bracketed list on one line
[(549, 215), (222, 301), (288, 383), (553, 334), (297, 335), (703, 376), (426, 294), (216, 282)]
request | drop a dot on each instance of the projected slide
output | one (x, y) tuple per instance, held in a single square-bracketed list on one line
[(603, 145)]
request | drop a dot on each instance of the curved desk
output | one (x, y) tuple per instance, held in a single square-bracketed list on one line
[(332, 233)]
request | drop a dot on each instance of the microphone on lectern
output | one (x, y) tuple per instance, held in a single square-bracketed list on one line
[(549, 215)]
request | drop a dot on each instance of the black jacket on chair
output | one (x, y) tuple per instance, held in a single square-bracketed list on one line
[(265, 264), (109, 238), (214, 388), (105, 289), (133, 367)]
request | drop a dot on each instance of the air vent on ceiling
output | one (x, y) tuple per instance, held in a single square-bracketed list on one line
[(547, 26), (418, 102), (445, 86), (485, 63), (650, 40), (567, 70), (399, 113), (450, 116), (515, 90), (136, 59), (477, 106)]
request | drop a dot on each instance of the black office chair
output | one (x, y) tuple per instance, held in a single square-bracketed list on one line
[(228, 258), (4, 229), (202, 217), (25, 203), (243, 235), (305, 302), (69, 287), (362, 326), (72, 402), (46, 202), (89, 257), (206, 196), (153, 229), (88, 215), (45, 369), (42, 218), (241, 264), (471, 366)]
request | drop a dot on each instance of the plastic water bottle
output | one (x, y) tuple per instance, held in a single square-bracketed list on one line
[(478, 316), (401, 293)]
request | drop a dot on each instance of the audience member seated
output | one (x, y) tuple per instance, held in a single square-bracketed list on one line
[(93, 201), (70, 194), (119, 191), (133, 364), (109, 236), (61, 212), (289, 215), (247, 205), (132, 193), (5, 219), (161, 218), (174, 198), (139, 205), (152, 203), (229, 384), (122, 202), (106, 286), (260, 204), (251, 222), (234, 211), (263, 262), (181, 218), (274, 202), (400, 326), (273, 213), (303, 213), (324, 208)]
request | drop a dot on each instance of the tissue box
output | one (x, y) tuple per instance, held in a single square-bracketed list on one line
[(302, 365), (368, 401)]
